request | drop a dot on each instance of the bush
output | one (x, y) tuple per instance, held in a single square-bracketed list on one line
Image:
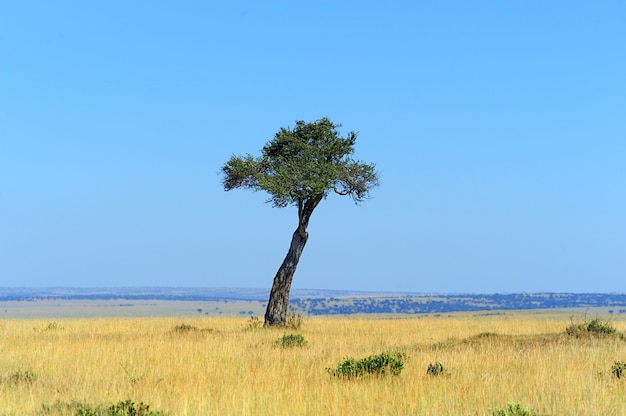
[(376, 365), (595, 327), (435, 369), (513, 409), (291, 340), (619, 369)]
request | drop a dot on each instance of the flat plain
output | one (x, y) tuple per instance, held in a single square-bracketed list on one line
[(90, 308), (228, 365)]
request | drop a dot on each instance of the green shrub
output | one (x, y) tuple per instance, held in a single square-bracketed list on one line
[(595, 327), (619, 369), (513, 409), (435, 369), (600, 327), (291, 340), (376, 365)]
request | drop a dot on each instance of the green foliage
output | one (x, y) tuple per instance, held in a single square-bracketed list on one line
[(291, 340), (301, 164), (595, 327), (122, 408), (618, 369), (19, 378), (435, 369), (513, 409), (600, 327), (376, 365)]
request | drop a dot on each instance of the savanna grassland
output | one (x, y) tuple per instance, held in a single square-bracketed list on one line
[(231, 366)]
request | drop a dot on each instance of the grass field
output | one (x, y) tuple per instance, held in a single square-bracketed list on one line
[(224, 366)]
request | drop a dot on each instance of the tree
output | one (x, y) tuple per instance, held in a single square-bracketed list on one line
[(301, 167)]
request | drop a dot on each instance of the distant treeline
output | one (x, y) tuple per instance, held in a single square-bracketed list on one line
[(459, 303), (321, 302)]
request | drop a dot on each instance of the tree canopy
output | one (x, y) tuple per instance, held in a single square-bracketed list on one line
[(301, 164)]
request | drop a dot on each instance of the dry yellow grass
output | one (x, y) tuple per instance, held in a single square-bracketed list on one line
[(232, 370)]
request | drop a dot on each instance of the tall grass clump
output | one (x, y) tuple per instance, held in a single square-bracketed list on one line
[(52, 326), (618, 369), (294, 319), (254, 323), (291, 340), (435, 369), (19, 378), (190, 329)]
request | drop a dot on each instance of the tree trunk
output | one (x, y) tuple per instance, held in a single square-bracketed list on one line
[(278, 303), (276, 313)]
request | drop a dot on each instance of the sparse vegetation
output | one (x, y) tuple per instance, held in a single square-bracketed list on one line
[(593, 328), (254, 323), (513, 409), (619, 369), (435, 369), (93, 363), (52, 326), (184, 328), (291, 340), (294, 319), (190, 329), (122, 408), (19, 378), (388, 363)]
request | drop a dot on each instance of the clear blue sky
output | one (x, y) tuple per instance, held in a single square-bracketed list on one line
[(498, 128)]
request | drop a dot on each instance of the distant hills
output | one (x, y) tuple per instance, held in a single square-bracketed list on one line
[(334, 302)]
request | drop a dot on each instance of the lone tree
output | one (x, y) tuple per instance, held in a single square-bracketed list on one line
[(300, 166)]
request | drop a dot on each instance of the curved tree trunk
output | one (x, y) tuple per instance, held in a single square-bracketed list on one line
[(276, 312), (278, 303)]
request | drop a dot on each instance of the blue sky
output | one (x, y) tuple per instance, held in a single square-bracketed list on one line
[(498, 128)]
